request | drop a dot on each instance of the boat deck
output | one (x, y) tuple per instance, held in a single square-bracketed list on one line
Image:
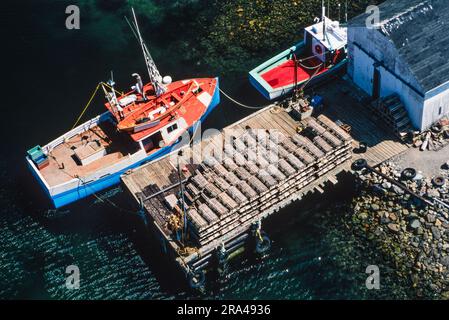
[(284, 74), (64, 166)]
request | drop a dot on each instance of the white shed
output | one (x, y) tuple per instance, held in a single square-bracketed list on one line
[(407, 53)]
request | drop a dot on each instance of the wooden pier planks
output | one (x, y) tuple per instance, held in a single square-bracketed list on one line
[(347, 106), (252, 171)]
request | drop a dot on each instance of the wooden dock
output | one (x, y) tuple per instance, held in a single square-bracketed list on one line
[(209, 202), (345, 104), (249, 171)]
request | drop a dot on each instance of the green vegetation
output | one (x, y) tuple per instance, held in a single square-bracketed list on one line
[(238, 33), (228, 36)]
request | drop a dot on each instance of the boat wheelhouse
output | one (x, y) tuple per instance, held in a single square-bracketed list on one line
[(322, 52)]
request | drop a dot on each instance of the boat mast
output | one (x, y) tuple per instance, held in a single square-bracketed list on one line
[(112, 97), (339, 12), (153, 72), (346, 12)]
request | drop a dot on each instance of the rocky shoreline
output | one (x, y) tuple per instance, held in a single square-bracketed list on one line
[(415, 236)]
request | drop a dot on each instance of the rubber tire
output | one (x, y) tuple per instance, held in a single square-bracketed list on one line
[(408, 174), (438, 182), (363, 148), (264, 245), (437, 129), (200, 277), (359, 164)]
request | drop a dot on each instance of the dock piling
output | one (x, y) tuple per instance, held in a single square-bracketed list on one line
[(222, 260)]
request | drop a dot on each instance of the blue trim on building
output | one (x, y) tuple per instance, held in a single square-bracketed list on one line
[(440, 89)]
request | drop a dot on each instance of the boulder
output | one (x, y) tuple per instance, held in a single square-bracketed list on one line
[(398, 190), (394, 227), (436, 233), (363, 215), (431, 218), (445, 261), (415, 224), (386, 185), (432, 193)]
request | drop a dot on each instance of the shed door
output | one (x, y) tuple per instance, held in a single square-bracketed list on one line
[(376, 84)]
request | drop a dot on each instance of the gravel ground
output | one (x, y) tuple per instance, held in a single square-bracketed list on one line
[(429, 162)]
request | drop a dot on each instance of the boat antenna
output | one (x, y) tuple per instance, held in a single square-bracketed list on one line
[(112, 97), (346, 11), (111, 83), (132, 28), (323, 18), (339, 11), (153, 72)]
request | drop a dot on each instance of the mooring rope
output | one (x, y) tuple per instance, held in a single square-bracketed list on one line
[(310, 79), (239, 103), (310, 68), (91, 99), (105, 200), (87, 106)]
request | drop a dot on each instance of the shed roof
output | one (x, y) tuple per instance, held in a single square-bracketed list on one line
[(419, 29)]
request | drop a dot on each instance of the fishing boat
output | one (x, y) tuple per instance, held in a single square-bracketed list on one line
[(322, 52), (137, 127)]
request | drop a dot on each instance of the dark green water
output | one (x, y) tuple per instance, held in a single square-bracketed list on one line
[(48, 73)]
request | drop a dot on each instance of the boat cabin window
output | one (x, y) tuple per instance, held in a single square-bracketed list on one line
[(172, 128), (153, 142)]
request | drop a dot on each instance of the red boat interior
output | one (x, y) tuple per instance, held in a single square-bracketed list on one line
[(173, 104), (284, 74)]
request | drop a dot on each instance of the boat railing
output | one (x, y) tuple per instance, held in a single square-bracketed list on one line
[(281, 57), (125, 162), (79, 129), (37, 172)]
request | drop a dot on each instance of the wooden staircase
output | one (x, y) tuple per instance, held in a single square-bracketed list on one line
[(393, 112)]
